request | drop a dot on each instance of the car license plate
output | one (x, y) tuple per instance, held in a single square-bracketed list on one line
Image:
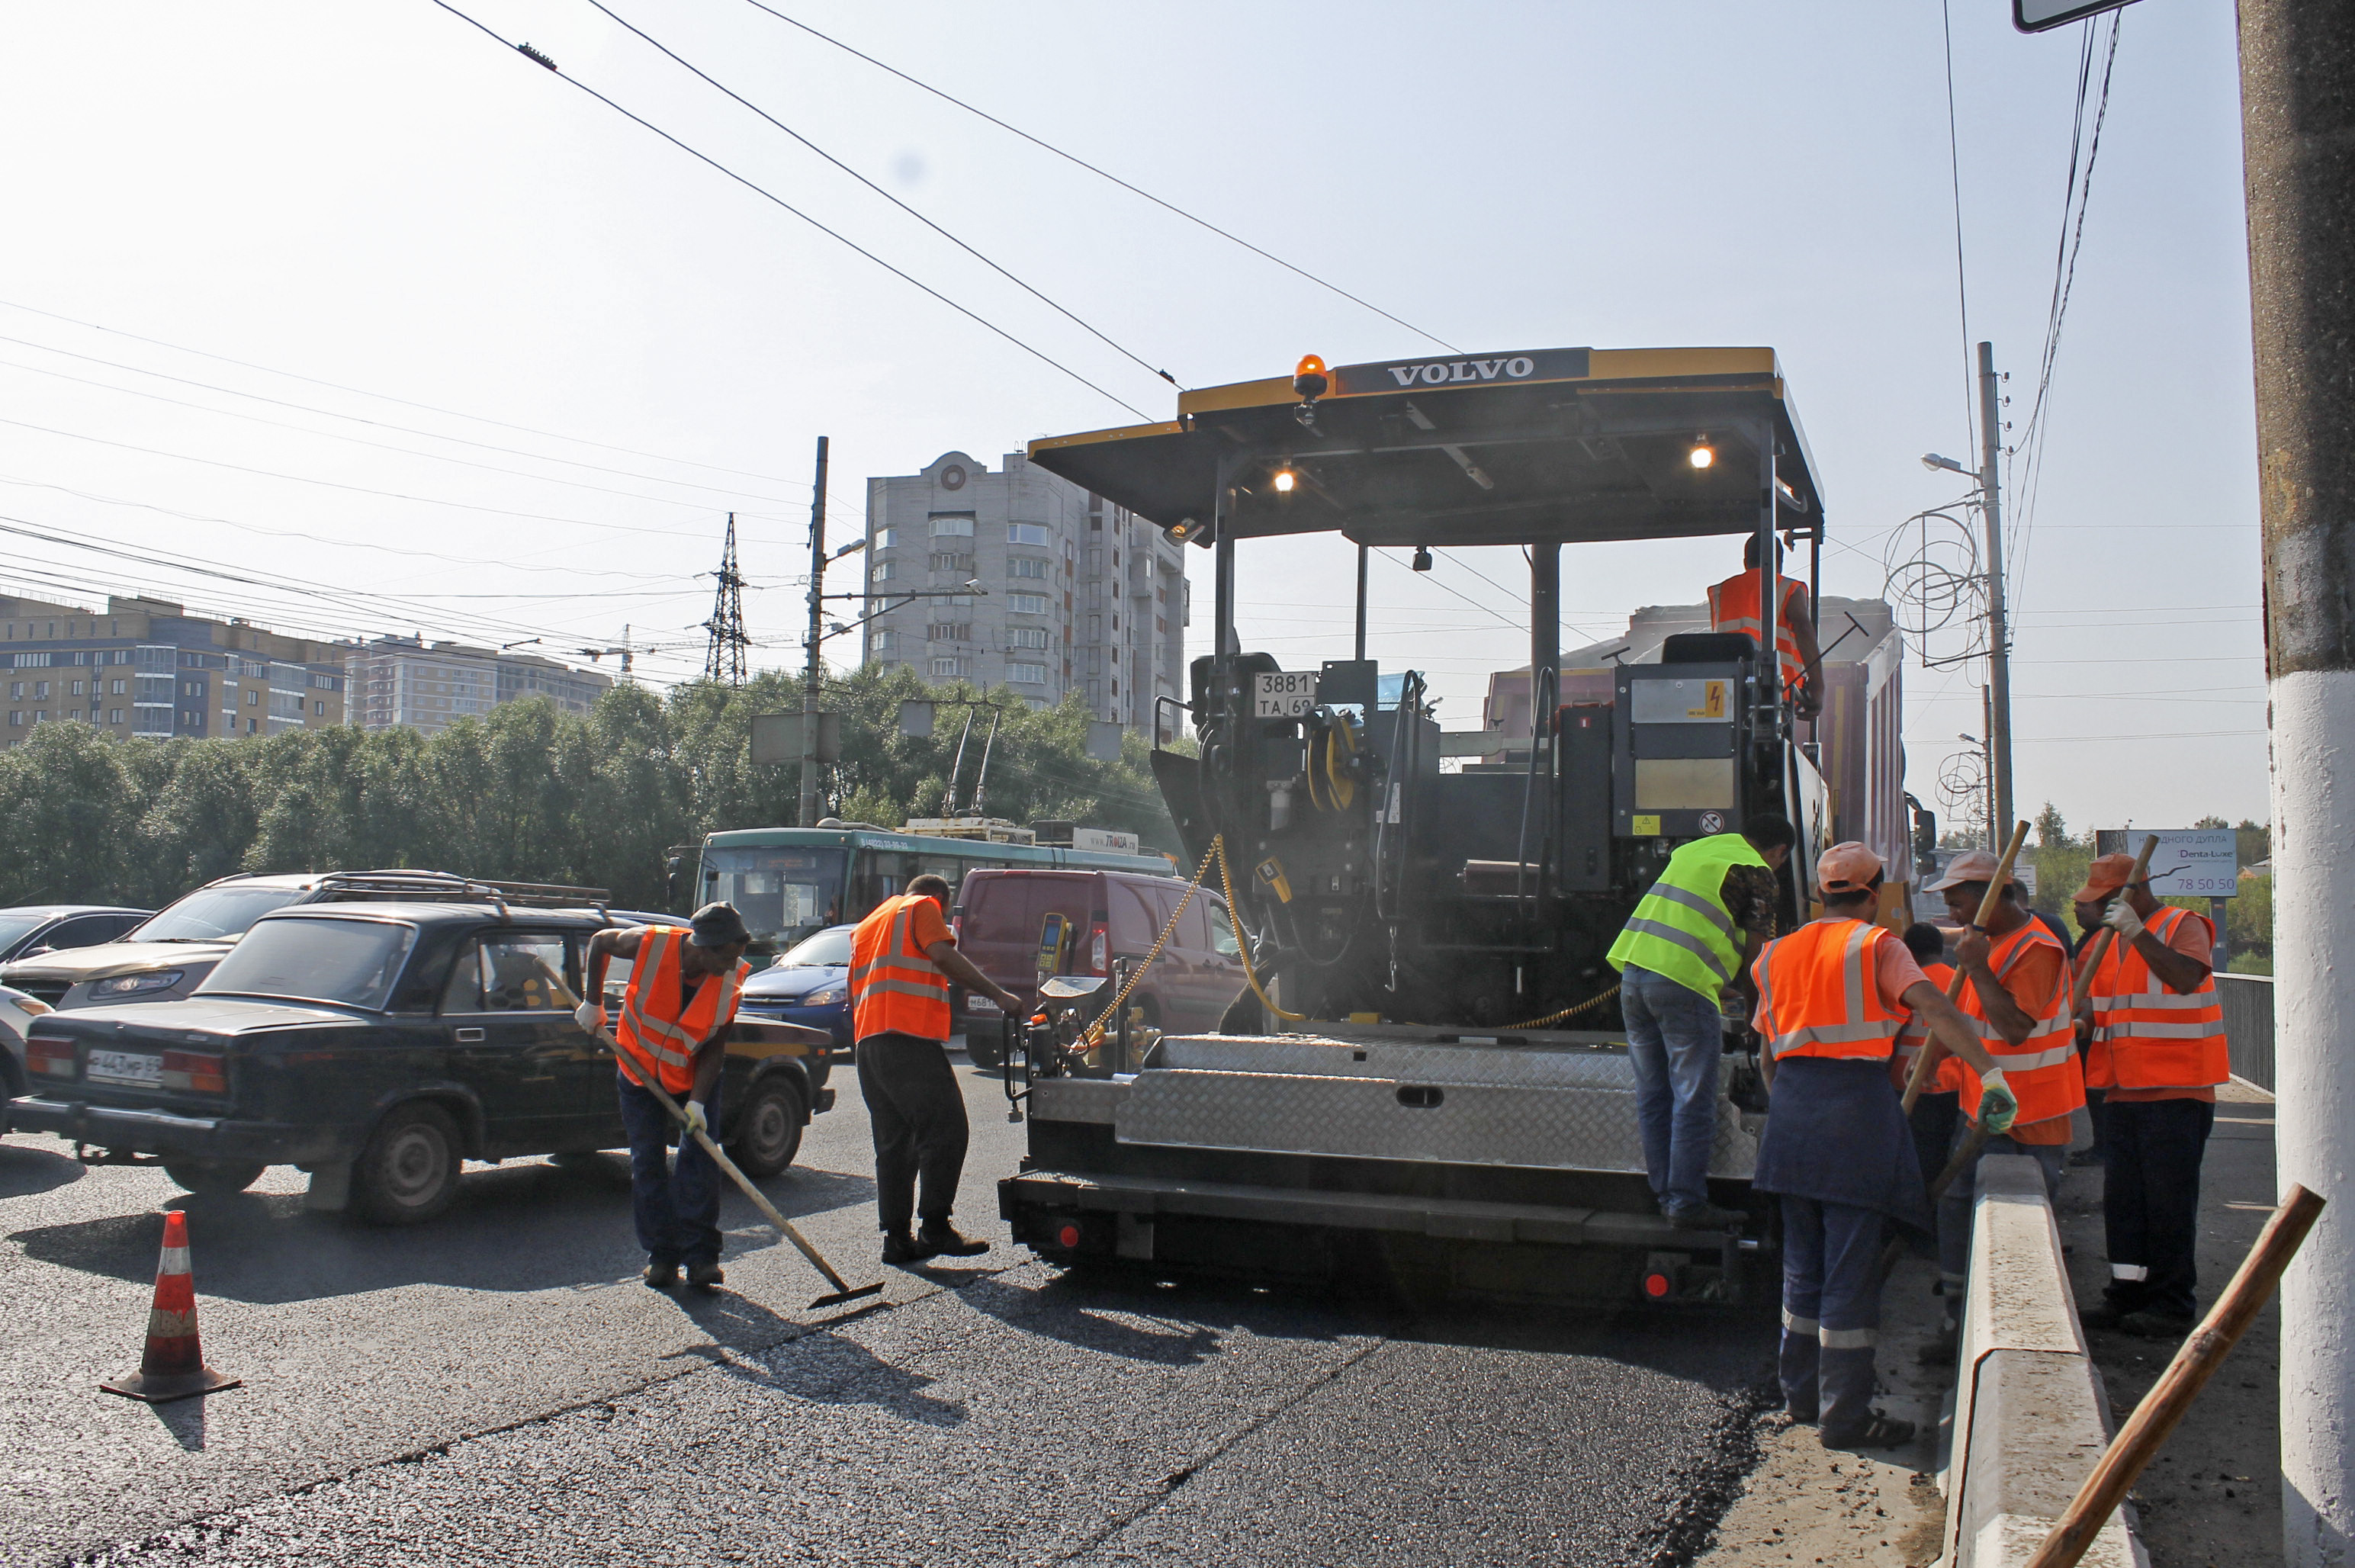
[(1285, 693), (980, 1005), (130, 1067)]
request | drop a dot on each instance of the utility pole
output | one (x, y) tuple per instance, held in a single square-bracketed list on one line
[(808, 814), (1999, 733), (2298, 140)]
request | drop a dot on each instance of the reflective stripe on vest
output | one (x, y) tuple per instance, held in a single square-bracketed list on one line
[(1735, 606), (1680, 929), (1819, 995), (669, 1045), (2146, 1036), (2041, 1070), (895, 989)]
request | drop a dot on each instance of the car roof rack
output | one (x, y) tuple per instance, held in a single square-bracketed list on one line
[(443, 887)]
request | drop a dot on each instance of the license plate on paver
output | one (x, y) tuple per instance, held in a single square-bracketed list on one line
[(980, 1005), (126, 1067)]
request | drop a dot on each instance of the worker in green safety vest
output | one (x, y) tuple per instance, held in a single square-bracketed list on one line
[(1699, 927)]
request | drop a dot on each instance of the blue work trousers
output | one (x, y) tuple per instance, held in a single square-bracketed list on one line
[(1831, 1314), (1674, 1042), (677, 1205)]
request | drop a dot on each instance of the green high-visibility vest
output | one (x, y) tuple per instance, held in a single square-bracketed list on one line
[(1681, 928)]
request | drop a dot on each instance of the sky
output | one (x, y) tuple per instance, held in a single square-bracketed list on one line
[(350, 319)]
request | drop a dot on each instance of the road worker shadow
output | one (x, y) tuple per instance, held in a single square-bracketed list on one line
[(25, 1171), (755, 1345), (1136, 1325), (524, 1226)]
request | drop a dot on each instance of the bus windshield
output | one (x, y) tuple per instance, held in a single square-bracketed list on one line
[(782, 894)]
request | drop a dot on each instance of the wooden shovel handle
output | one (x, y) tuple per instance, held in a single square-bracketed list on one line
[(1928, 1062), (2104, 937)]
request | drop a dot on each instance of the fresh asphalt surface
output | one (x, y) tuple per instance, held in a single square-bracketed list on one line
[(497, 1386)]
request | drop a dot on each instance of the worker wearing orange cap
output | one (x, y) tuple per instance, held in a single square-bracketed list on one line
[(2158, 1052), (1833, 997), (2017, 997)]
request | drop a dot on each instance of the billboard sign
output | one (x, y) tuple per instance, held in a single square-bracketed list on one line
[(2190, 863), (2043, 16)]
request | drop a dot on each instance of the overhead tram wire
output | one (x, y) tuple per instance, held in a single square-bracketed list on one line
[(376, 424), (1954, 175), (768, 195), (1105, 175), (1055, 305), (403, 402)]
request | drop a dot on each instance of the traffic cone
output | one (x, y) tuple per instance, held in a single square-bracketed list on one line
[(174, 1366)]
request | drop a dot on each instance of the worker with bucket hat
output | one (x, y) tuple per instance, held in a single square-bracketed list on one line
[(2158, 1052), (1833, 998), (684, 985)]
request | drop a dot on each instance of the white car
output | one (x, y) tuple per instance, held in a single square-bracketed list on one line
[(17, 1012)]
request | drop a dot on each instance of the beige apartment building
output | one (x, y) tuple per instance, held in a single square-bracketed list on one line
[(425, 686)]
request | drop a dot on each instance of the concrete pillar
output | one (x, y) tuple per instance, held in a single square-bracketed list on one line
[(2297, 104)]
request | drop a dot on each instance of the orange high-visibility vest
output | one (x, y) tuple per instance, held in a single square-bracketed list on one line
[(1735, 606), (1819, 995), (2042, 1070), (655, 1028), (894, 988), (1947, 1077), (2146, 1036)]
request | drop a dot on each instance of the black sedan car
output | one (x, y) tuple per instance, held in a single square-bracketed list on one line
[(42, 928), (379, 1046)]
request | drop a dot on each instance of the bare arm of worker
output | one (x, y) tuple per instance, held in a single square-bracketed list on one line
[(2012, 1022), (1947, 1021), (618, 942), (710, 1060), (1811, 657), (960, 968), (2183, 973)]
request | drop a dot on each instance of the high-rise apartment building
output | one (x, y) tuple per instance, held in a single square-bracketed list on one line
[(424, 685), (147, 667), (1078, 596)]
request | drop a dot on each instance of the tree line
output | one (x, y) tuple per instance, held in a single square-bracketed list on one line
[(527, 792)]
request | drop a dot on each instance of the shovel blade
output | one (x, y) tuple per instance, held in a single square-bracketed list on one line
[(839, 1296)]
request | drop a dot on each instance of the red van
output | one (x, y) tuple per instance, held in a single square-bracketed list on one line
[(1109, 915)]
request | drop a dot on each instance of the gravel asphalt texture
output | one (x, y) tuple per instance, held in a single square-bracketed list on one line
[(497, 1387)]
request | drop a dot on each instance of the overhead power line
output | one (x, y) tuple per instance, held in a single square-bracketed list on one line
[(768, 195), (1105, 175), (1085, 326)]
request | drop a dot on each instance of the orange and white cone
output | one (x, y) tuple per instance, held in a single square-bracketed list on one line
[(174, 1366)]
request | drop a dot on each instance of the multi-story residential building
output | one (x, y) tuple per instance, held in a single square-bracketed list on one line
[(1081, 596), (409, 681), (147, 667)]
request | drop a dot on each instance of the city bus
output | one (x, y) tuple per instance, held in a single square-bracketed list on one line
[(790, 882)]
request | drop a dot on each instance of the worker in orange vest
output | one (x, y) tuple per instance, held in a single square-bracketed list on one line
[(2158, 1052), (903, 957), (684, 983), (2017, 997), (1737, 605), (1938, 1108), (1833, 997)]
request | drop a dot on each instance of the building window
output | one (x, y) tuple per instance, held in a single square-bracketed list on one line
[(1026, 533), (17, 719), (116, 688), (885, 538), (319, 710), (1027, 566), (40, 690), (947, 666), (880, 642), (1026, 603), (114, 716), (884, 571), (252, 698), (16, 689), (1025, 637), (949, 560), (953, 527), (950, 631), (1027, 674)]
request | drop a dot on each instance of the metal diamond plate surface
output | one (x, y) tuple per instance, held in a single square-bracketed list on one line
[(1561, 1126), (1579, 1067)]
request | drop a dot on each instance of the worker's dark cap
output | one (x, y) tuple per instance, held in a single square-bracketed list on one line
[(717, 925)]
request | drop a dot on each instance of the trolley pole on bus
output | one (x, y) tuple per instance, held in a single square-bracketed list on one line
[(807, 816)]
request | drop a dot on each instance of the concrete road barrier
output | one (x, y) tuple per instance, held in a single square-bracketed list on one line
[(2031, 1416)]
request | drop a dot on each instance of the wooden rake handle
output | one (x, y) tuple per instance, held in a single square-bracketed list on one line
[(1928, 1062), (2104, 937)]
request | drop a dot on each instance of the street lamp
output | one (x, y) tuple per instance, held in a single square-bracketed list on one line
[(1933, 463)]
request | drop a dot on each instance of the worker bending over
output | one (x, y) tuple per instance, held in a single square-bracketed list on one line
[(2157, 1052), (1833, 997), (903, 957), (1737, 605), (681, 998), (2017, 994), (1695, 929)]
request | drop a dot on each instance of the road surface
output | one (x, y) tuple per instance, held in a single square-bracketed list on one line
[(497, 1385)]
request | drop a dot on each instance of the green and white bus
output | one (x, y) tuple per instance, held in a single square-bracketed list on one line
[(790, 882)]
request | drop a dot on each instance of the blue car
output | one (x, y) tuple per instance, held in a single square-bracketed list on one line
[(808, 985)]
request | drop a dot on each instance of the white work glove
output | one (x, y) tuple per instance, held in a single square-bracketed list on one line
[(2121, 918), (1997, 1105), (590, 1015), (697, 1120)]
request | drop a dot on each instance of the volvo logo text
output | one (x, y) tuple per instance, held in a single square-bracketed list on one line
[(1445, 371)]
